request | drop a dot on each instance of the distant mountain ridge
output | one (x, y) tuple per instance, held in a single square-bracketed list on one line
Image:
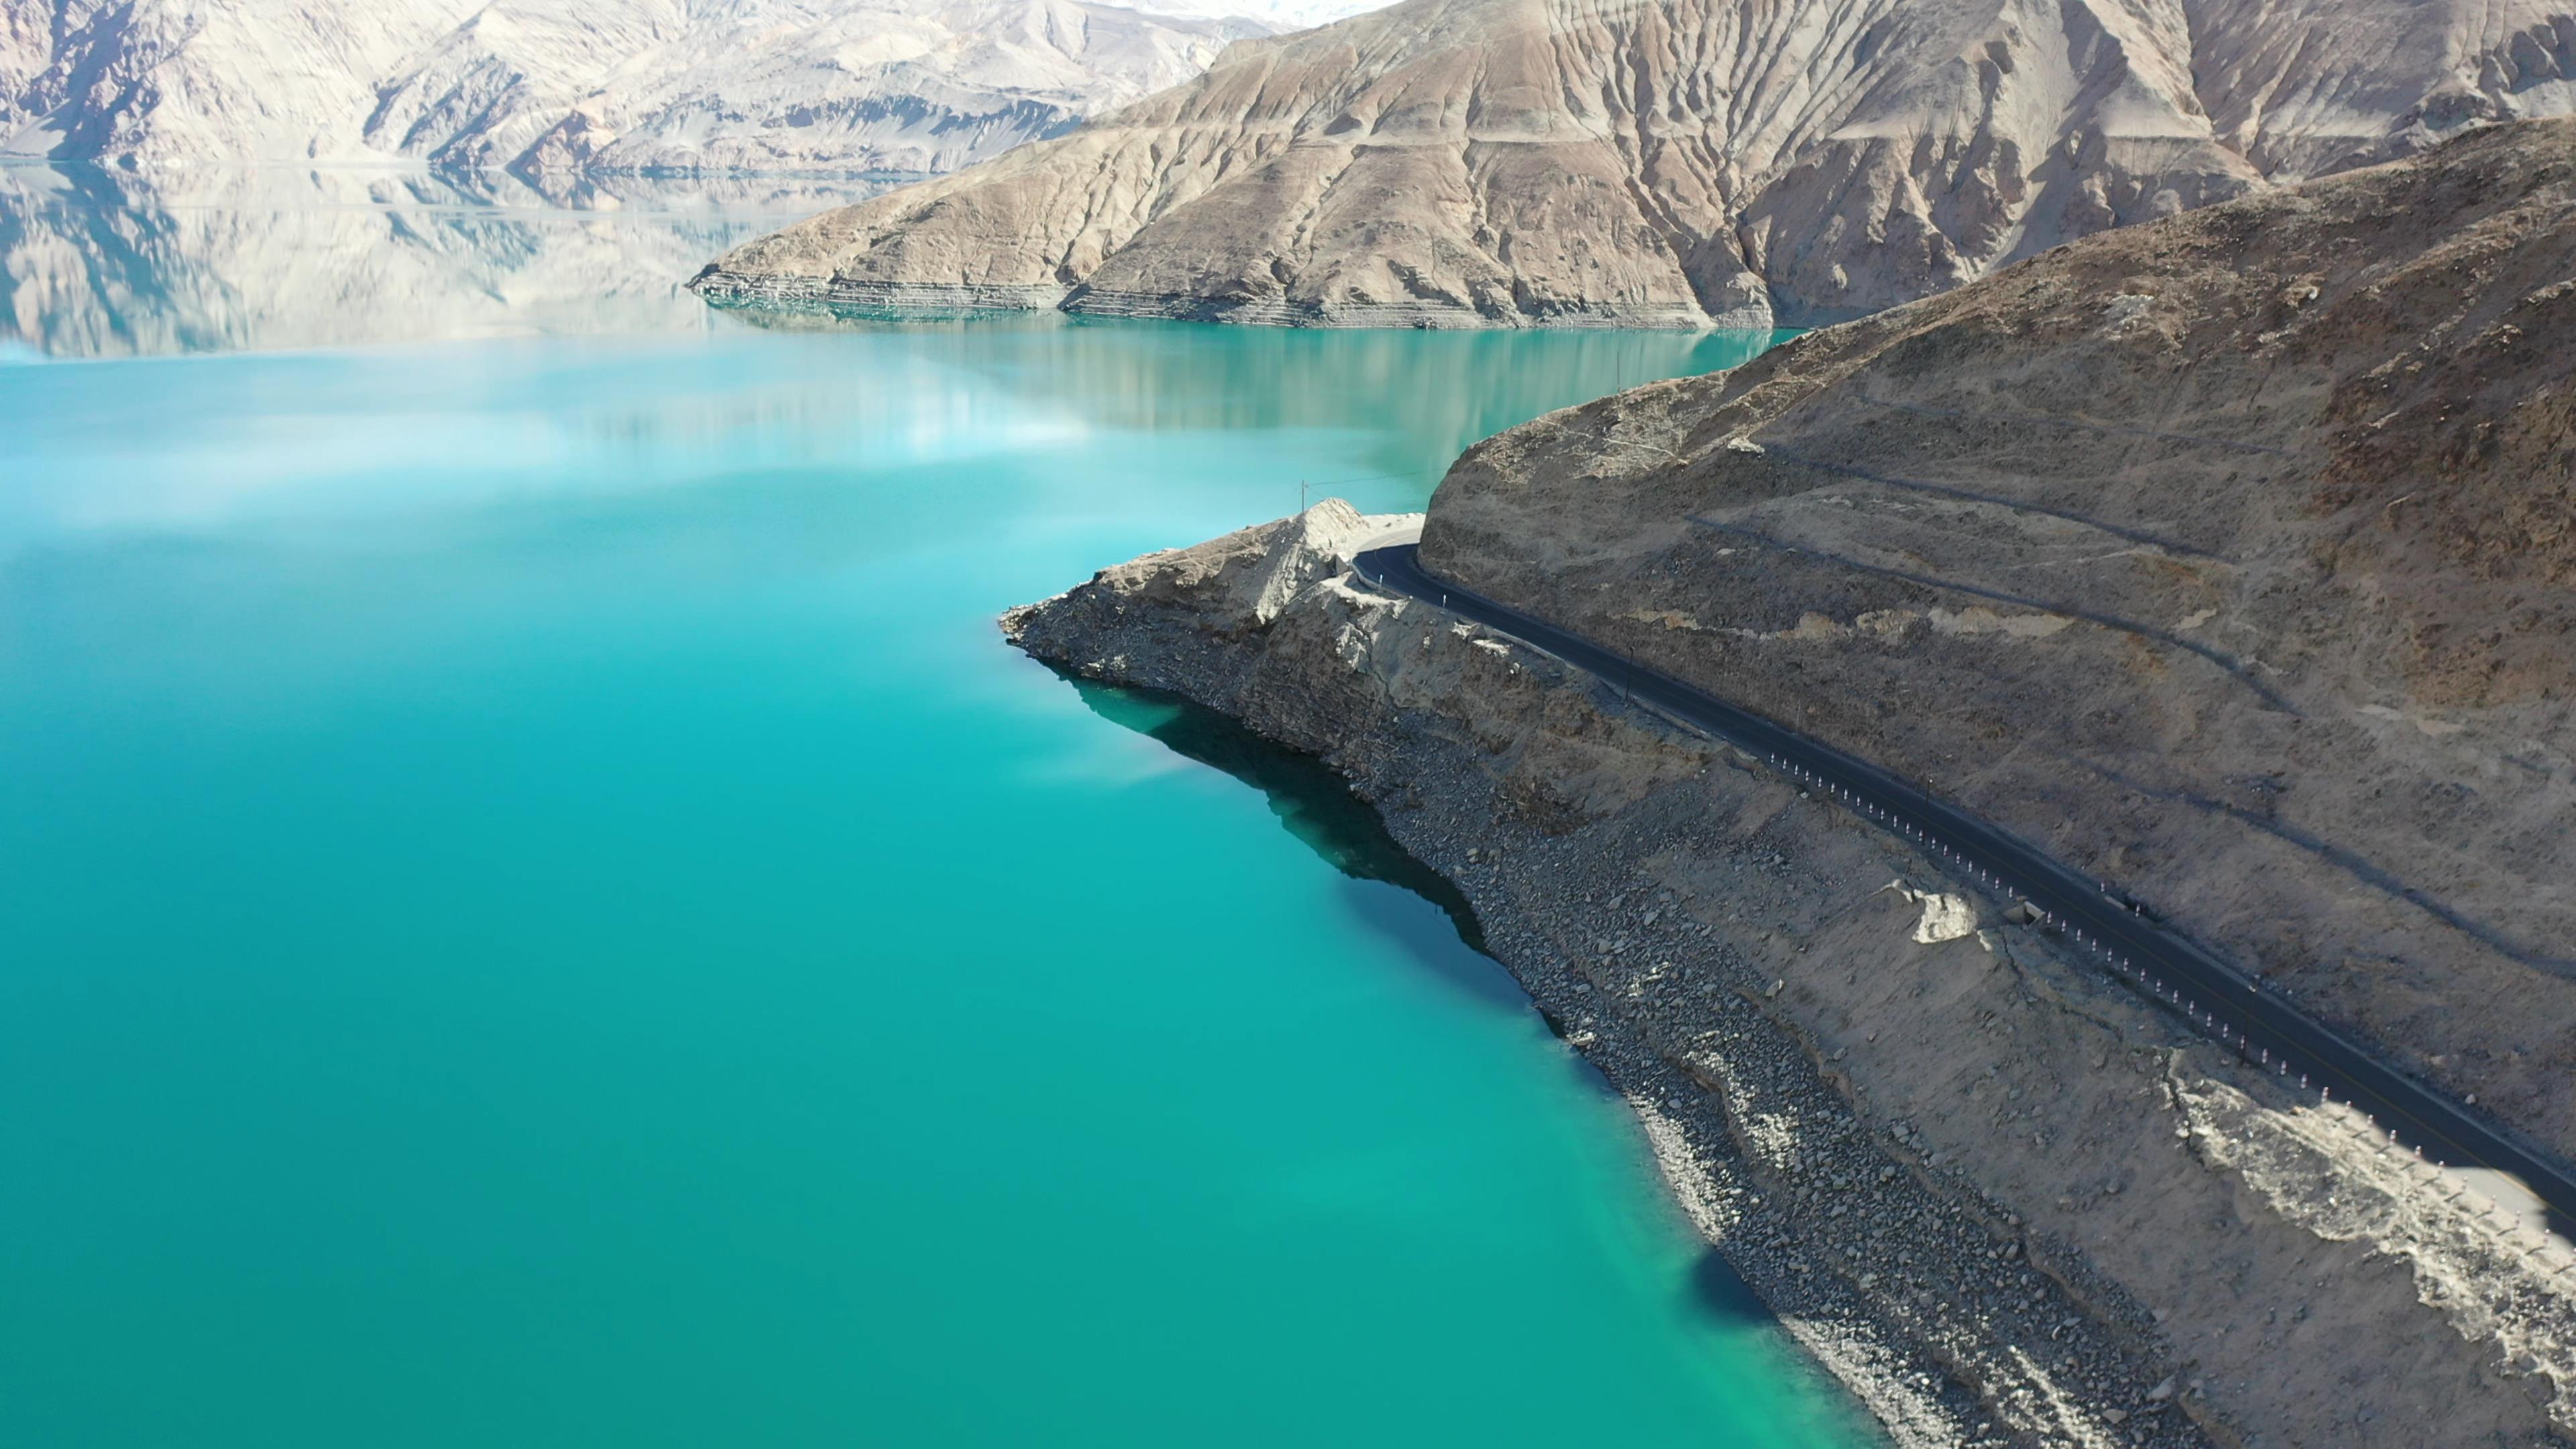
[(540, 86), (1668, 162)]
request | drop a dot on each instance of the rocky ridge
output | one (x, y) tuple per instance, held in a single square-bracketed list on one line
[(1684, 163), (2002, 1198)]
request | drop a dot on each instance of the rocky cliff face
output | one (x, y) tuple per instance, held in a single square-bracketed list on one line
[(553, 86), (1668, 162)]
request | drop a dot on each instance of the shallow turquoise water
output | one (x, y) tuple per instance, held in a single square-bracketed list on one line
[(538, 911)]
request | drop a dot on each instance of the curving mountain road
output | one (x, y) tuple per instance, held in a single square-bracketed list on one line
[(2219, 999)]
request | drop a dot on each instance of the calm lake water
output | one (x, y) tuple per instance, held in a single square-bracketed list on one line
[(535, 907)]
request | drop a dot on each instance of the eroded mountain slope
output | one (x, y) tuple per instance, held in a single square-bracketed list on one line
[(1682, 162)]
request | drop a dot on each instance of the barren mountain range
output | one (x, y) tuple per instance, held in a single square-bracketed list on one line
[(559, 85), (1669, 162)]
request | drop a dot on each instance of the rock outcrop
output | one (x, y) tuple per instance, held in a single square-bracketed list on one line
[(544, 86), (2227, 557), (1667, 162), (1995, 1193)]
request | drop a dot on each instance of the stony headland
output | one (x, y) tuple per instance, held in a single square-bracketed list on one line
[(2226, 556), (1686, 163)]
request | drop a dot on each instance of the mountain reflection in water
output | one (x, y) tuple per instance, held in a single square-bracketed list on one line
[(100, 262), (96, 262)]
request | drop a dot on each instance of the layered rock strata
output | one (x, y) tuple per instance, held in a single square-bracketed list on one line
[(1668, 162), (2002, 1198)]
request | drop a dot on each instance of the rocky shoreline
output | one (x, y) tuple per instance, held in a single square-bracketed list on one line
[(790, 293), (1440, 313), (794, 293), (2002, 1199)]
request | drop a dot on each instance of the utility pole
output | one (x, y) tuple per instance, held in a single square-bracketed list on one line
[(1301, 495)]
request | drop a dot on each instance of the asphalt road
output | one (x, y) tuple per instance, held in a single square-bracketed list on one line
[(2217, 998)]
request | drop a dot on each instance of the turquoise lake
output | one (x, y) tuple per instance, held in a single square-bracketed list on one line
[(536, 909)]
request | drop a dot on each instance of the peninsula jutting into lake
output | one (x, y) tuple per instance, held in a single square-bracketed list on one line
[(1904, 882), (1985, 870)]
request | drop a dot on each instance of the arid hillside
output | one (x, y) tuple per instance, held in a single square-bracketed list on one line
[(2229, 556), (1667, 162)]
